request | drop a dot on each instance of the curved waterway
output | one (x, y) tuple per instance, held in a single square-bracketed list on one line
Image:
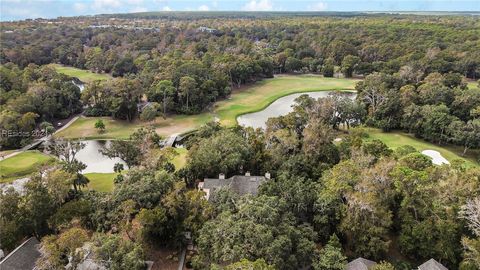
[(97, 162), (281, 106)]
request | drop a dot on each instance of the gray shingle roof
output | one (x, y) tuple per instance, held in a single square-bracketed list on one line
[(23, 257), (239, 184), (432, 265), (360, 264)]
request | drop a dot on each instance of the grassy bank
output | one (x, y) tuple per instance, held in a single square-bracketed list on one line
[(102, 182), (81, 74), (396, 139), (245, 100), (263, 93), (22, 165)]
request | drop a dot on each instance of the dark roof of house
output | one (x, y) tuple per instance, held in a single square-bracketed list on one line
[(239, 184), (23, 257), (360, 264), (432, 265)]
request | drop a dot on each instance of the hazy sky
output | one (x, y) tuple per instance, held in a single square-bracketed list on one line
[(22, 9)]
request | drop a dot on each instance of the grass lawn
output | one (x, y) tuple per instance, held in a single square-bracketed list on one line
[(22, 165), (248, 99), (84, 127), (258, 96), (181, 159), (397, 138), (102, 182), (81, 74), (472, 85)]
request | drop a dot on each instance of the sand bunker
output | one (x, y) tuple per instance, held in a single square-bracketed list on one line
[(437, 158)]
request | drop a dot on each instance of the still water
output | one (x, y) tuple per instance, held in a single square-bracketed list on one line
[(281, 106), (96, 162)]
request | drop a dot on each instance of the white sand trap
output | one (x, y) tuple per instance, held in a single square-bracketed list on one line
[(437, 158)]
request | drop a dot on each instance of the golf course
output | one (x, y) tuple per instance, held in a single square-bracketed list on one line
[(247, 99), (395, 139), (22, 165), (83, 75), (244, 100)]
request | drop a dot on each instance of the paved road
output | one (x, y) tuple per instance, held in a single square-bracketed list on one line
[(39, 141)]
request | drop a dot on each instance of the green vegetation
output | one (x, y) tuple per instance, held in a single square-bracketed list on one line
[(248, 99), (83, 127), (102, 182), (473, 85), (396, 139), (263, 93), (83, 75), (22, 165), (181, 159), (327, 201)]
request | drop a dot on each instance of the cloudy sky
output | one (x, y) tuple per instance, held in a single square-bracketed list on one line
[(22, 9)]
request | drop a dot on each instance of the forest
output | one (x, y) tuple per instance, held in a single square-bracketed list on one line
[(335, 193)]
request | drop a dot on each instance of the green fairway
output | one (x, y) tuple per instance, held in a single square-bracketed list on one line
[(81, 74), (102, 182), (396, 139), (258, 96), (245, 100), (22, 165)]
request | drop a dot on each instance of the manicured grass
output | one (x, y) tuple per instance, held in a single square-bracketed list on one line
[(22, 165), (248, 99), (81, 74), (263, 93), (84, 127), (181, 159), (396, 139), (102, 182)]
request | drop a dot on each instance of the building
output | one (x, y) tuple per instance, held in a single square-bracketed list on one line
[(240, 184), (360, 264), (23, 257), (432, 265), (364, 264), (206, 29)]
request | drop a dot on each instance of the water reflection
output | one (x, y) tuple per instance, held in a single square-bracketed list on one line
[(96, 162), (281, 106)]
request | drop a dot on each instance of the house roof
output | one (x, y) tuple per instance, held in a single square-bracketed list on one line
[(23, 257), (432, 265), (360, 264), (239, 184)]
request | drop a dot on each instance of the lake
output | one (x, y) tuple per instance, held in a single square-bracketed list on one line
[(281, 106), (96, 162)]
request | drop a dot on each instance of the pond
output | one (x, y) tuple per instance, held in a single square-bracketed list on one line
[(281, 106), (79, 85), (97, 162)]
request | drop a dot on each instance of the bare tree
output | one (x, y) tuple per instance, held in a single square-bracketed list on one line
[(66, 151)]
